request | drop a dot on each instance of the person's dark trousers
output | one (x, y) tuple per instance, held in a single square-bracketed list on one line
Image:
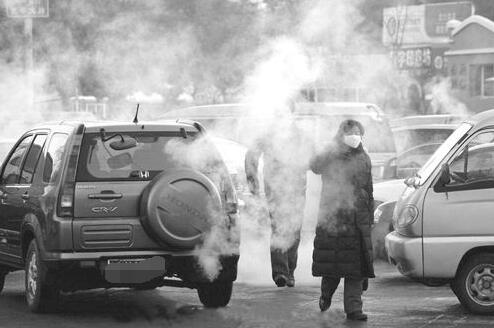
[(285, 262), (352, 294)]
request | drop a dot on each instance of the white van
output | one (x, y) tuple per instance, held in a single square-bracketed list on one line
[(444, 220)]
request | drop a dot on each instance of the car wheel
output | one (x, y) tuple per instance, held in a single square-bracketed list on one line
[(40, 296), (215, 294), (2, 280), (474, 284)]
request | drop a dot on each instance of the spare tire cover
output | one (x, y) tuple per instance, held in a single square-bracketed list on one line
[(177, 207)]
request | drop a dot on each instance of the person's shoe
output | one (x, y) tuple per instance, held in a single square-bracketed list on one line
[(280, 280), (324, 304), (290, 282), (357, 316)]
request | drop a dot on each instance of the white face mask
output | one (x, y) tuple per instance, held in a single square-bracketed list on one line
[(352, 140)]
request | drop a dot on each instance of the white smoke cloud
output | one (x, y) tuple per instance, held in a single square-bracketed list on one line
[(136, 54), (443, 100)]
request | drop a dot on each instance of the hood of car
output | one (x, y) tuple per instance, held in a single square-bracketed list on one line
[(388, 190)]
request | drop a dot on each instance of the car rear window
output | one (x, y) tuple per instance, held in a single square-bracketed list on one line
[(154, 152)]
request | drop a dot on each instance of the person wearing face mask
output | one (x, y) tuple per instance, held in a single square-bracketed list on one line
[(342, 245)]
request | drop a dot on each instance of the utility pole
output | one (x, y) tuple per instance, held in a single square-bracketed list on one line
[(27, 10), (29, 61)]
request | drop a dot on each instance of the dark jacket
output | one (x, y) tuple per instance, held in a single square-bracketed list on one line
[(342, 246)]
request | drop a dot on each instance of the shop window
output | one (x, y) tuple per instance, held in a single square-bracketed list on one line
[(488, 79), (482, 80)]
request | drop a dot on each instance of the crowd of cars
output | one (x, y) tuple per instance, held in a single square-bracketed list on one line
[(433, 183)]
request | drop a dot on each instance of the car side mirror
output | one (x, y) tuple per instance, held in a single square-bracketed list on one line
[(444, 177)]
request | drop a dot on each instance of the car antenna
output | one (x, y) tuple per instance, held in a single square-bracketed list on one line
[(136, 120)]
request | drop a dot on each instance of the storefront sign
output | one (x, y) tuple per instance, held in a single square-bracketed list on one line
[(27, 8), (407, 25), (418, 58)]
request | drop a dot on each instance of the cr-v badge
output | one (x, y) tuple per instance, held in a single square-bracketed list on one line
[(103, 209)]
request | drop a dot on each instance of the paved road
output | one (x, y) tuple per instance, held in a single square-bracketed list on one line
[(391, 301)]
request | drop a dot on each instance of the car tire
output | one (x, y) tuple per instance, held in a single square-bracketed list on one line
[(2, 280), (40, 296), (177, 207), (474, 284), (215, 294)]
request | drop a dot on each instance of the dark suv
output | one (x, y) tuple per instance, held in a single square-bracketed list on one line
[(99, 205)]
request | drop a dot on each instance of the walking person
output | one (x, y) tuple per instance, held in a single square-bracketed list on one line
[(285, 168), (342, 246)]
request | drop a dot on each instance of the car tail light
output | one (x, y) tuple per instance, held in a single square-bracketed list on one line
[(67, 191), (228, 194)]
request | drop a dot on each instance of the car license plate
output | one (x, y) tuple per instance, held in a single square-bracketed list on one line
[(134, 271)]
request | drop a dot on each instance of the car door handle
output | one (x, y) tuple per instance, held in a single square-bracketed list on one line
[(25, 196), (105, 195)]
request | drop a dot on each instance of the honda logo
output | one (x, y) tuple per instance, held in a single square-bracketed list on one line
[(143, 174)]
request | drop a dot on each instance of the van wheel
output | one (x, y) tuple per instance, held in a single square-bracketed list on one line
[(40, 296), (474, 284), (215, 294), (2, 280)]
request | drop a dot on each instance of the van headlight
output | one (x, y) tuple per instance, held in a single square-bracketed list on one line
[(407, 216), (377, 215)]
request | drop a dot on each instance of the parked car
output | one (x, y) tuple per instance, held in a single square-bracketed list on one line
[(443, 219), (320, 121), (412, 131), (417, 138), (104, 204)]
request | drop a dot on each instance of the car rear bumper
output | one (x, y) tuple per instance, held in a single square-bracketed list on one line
[(97, 256), (405, 253)]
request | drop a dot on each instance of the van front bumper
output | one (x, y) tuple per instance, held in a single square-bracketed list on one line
[(405, 253)]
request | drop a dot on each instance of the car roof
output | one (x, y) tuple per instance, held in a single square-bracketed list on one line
[(110, 126), (427, 120), (301, 108), (451, 127), (483, 119)]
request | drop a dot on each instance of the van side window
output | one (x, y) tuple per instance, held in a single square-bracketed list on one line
[(476, 161), (54, 157), (32, 159), (12, 169)]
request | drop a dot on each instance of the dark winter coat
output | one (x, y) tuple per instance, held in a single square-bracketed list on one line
[(342, 246)]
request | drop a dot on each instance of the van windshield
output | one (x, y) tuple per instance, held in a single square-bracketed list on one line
[(429, 167)]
